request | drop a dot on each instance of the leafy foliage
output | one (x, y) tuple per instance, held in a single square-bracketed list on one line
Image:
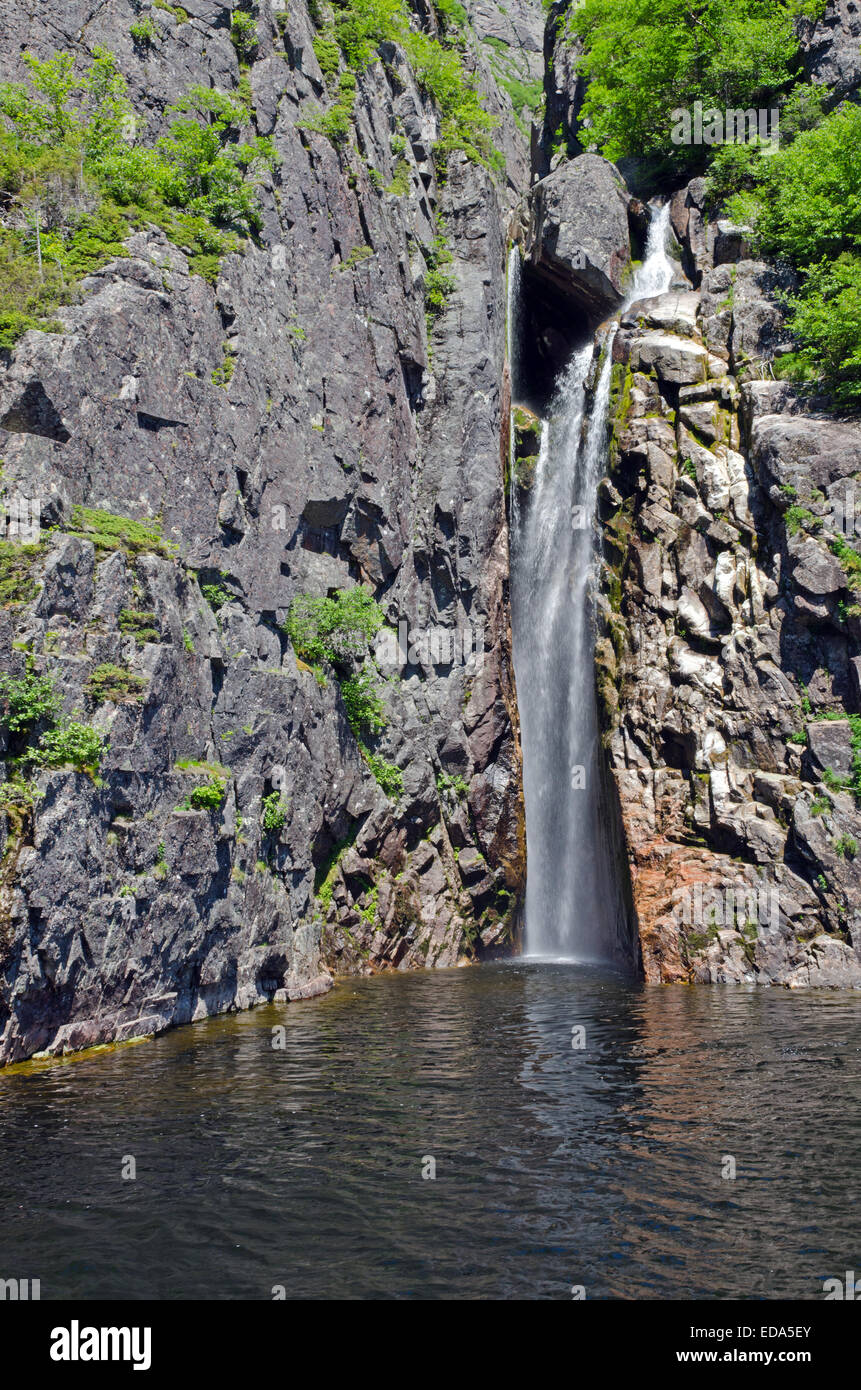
[(114, 683), (109, 531), (26, 700), (31, 700), (826, 318), (216, 595), (16, 582), (810, 191), (358, 29), (274, 809), (363, 705), (139, 624), (338, 630), (78, 179), (333, 629), (72, 743), (457, 784), (645, 58), (243, 35), (390, 777), (143, 31), (207, 797), (439, 282), (804, 203)]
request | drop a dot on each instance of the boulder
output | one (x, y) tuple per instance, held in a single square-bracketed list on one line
[(732, 243), (676, 360), (578, 233), (829, 744)]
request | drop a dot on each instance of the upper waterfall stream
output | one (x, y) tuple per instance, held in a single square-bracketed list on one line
[(571, 895)]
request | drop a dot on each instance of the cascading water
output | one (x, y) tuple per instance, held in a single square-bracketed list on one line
[(572, 900)]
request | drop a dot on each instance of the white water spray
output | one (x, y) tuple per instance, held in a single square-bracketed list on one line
[(572, 898)]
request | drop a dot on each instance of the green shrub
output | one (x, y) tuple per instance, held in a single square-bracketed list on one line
[(333, 629), (143, 31), (464, 124), (846, 847), (439, 283), (72, 743), (849, 559), (65, 133), (243, 35), (390, 777), (140, 625), (356, 256), (800, 519), (274, 809), (216, 595), (18, 798), (400, 184), (362, 704), (811, 192), (26, 700), (114, 683), (207, 797), (17, 584), (328, 55), (222, 375), (360, 26), (456, 784), (197, 765), (108, 531), (804, 202), (180, 15), (335, 123), (826, 320)]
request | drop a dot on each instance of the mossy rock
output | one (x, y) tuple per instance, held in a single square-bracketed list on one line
[(524, 471), (527, 433)]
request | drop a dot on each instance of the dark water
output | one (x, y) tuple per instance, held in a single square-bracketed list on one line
[(554, 1167)]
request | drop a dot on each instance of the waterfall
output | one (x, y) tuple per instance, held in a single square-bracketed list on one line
[(572, 897)]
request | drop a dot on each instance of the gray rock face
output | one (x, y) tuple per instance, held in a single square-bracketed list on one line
[(565, 91), (831, 47), (578, 238), (349, 444)]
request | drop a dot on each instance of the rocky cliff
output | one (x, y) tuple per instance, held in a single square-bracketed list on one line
[(206, 450)]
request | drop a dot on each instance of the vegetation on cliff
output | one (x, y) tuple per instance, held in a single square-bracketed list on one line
[(357, 30), (337, 632), (804, 204), (645, 60), (644, 64), (76, 175)]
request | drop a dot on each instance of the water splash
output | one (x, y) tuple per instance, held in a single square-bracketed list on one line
[(572, 895)]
